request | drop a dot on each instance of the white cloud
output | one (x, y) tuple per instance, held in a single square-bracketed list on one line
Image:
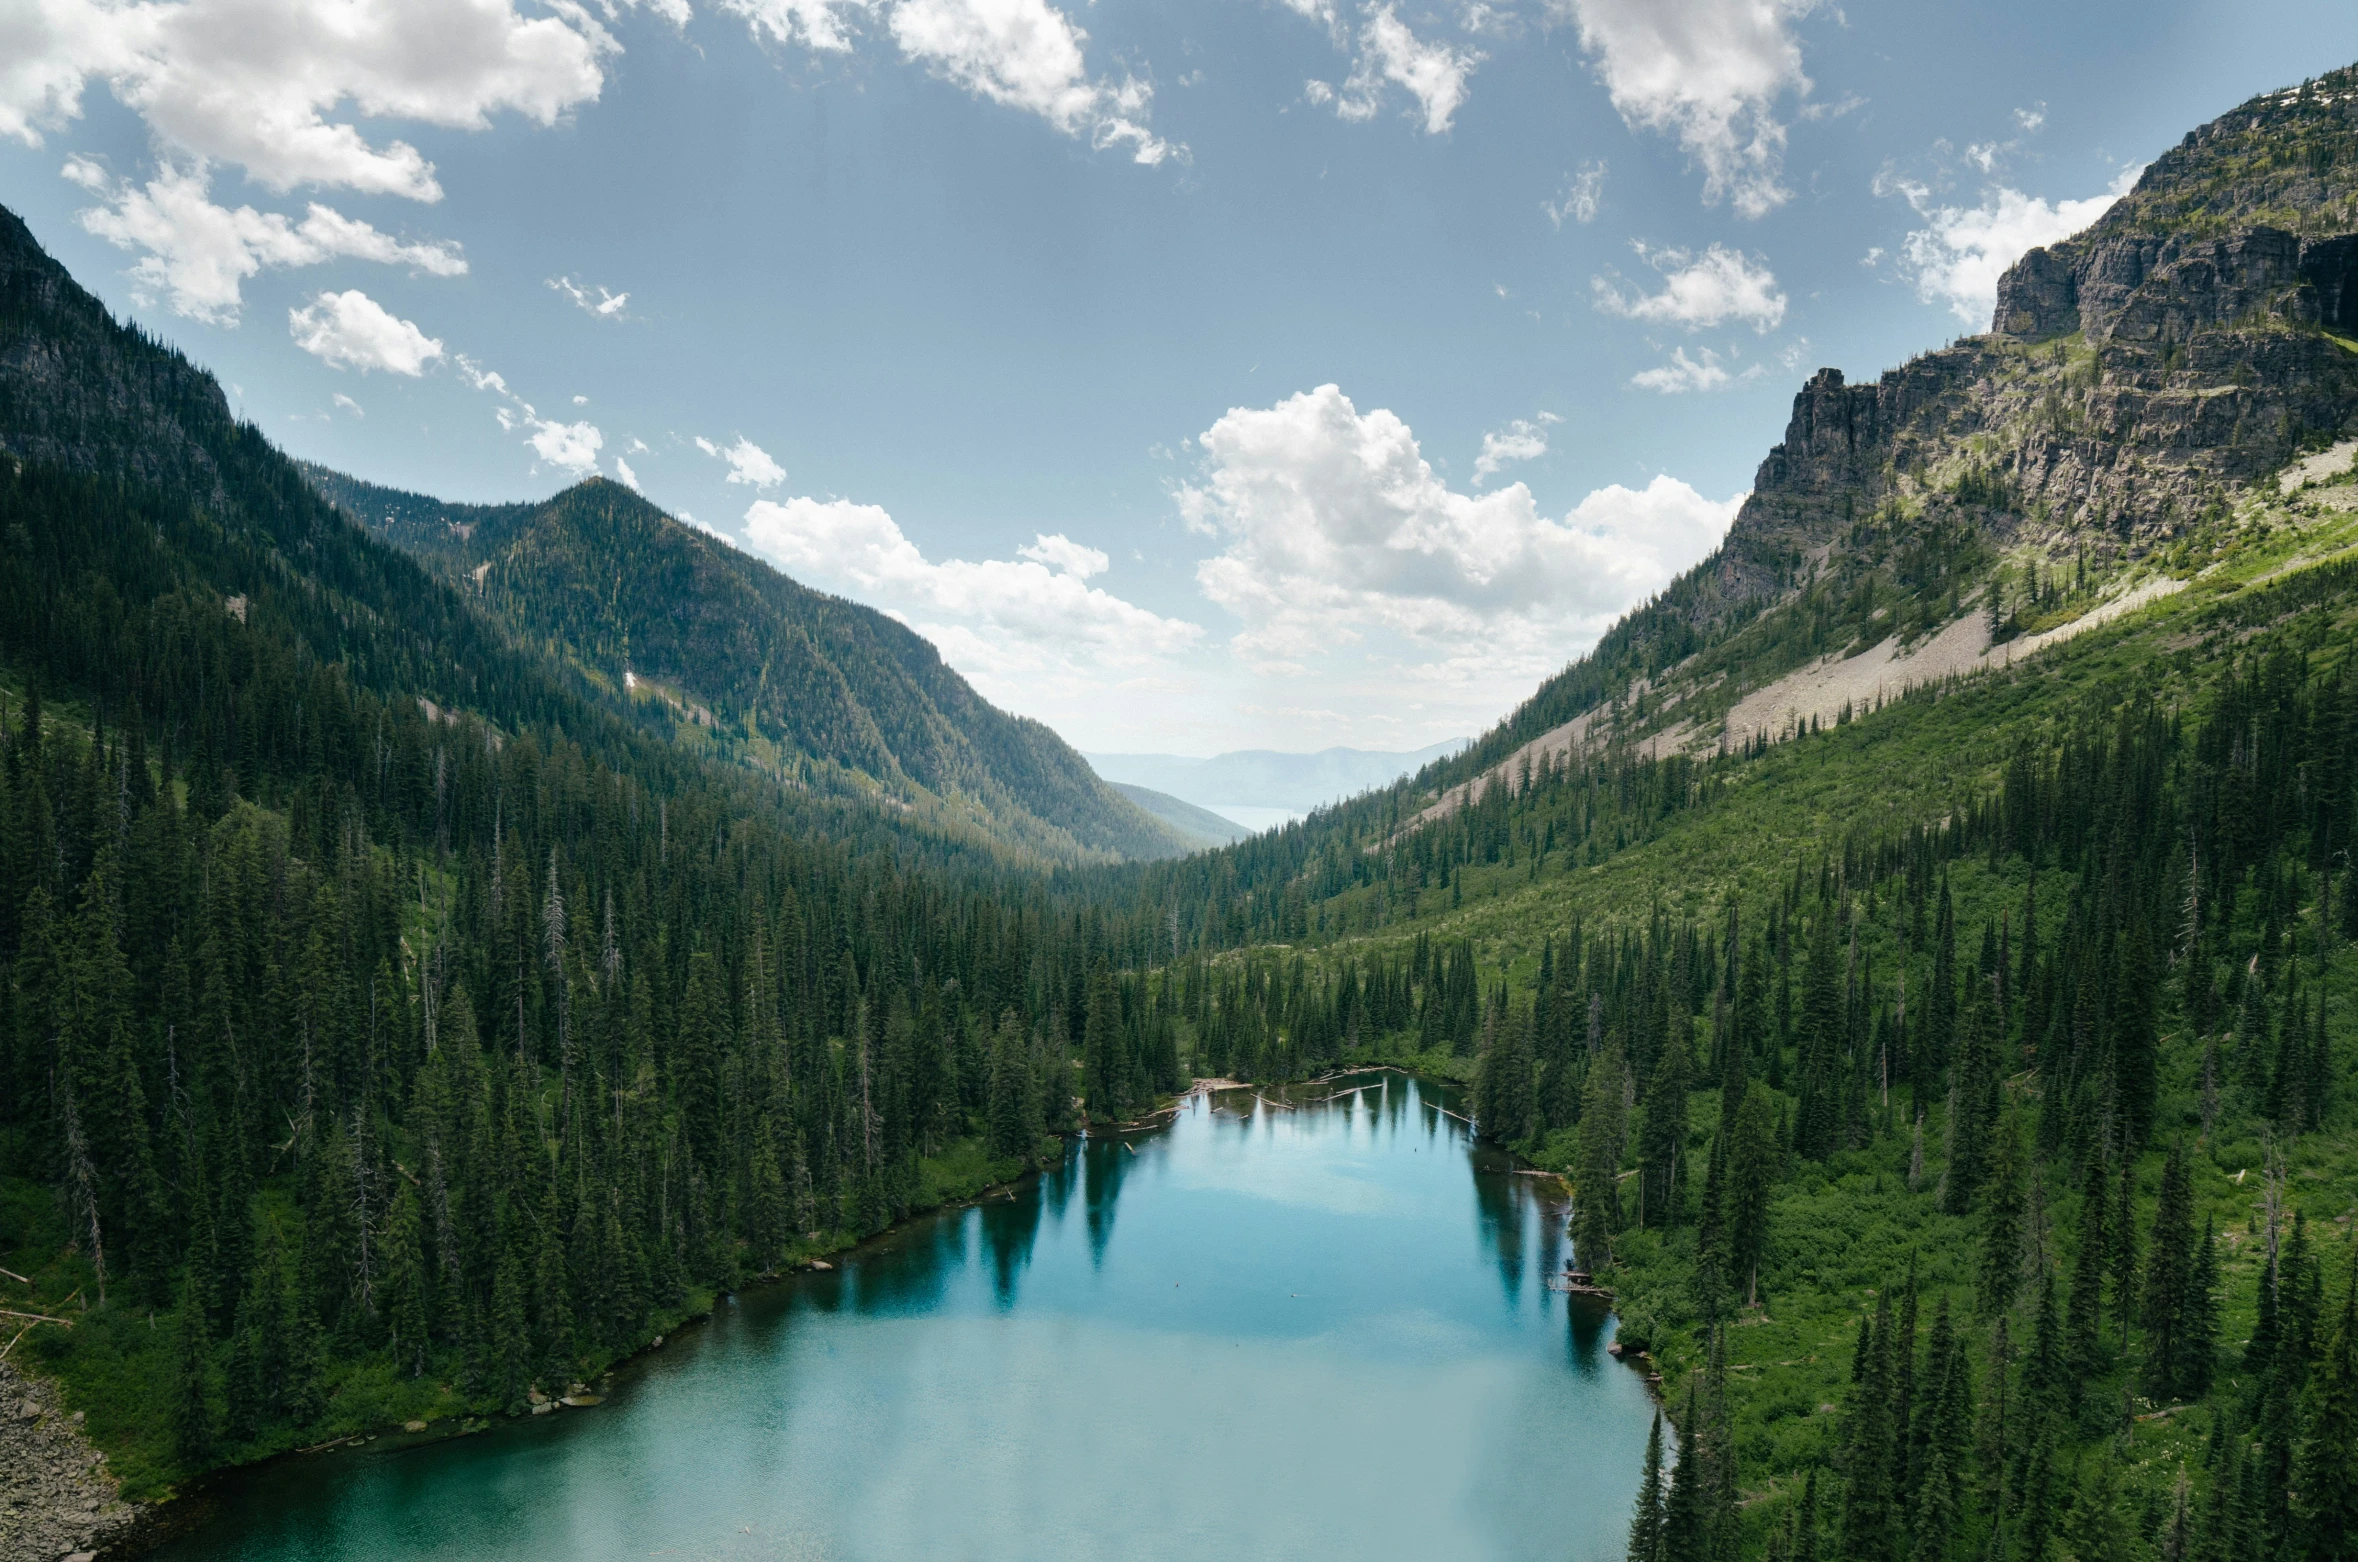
[(1062, 554), (571, 447), (199, 254), (606, 306), (1385, 53), (1389, 54), (1710, 72), (1524, 439), (630, 479), (748, 462), (1681, 374), (1007, 623), (815, 24), (352, 330), (1960, 253), (1336, 528), (1699, 292), (253, 82), (348, 404), (1026, 54), (1579, 198)]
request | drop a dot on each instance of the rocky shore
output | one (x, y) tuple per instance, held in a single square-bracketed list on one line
[(57, 1500)]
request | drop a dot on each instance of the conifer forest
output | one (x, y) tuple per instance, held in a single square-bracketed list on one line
[(1949, 1081)]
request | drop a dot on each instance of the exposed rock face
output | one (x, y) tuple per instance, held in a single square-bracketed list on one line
[(2133, 375), (56, 1499)]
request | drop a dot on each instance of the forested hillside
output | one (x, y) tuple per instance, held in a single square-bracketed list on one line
[(390, 1028), (1952, 1081), (809, 689), (1953, 1084)]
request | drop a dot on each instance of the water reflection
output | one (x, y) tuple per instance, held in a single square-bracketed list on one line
[(1010, 1225), (1293, 1343)]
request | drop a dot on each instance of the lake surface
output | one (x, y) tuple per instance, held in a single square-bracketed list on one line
[(1262, 1333)]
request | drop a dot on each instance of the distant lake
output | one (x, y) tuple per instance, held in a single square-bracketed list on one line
[(1263, 1333)]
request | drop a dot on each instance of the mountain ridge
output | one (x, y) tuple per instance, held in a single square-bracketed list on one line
[(809, 688)]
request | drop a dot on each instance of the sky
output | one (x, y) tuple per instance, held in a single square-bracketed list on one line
[(1245, 373)]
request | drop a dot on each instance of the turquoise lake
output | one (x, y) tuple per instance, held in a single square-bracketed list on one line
[(1322, 1332)]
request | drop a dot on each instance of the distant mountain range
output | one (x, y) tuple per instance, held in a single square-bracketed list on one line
[(820, 692), (1267, 779)]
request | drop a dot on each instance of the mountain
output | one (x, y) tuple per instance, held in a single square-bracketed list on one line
[(1200, 824), (2140, 386), (806, 687), (361, 952), (1925, 938), (1266, 778)]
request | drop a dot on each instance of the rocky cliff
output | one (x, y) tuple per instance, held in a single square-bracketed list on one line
[(2200, 334)]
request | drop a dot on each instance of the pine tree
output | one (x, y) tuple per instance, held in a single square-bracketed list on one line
[(2037, 1506), (1752, 1176), (2098, 1530), (2001, 1225), (1686, 1510), (2174, 1311), (1596, 1207), (405, 1283), (1712, 1259), (1867, 1517), (1014, 1114), (192, 1398), (2325, 1476), (1662, 1137), (1646, 1524)]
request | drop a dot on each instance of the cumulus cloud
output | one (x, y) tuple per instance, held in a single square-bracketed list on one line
[(1583, 190), (605, 306), (199, 254), (748, 463), (351, 330), (1335, 528), (998, 620), (1958, 255), (1699, 291), (253, 82), (1524, 439), (1709, 72), (1027, 55), (1059, 552), (1703, 372), (570, 447)]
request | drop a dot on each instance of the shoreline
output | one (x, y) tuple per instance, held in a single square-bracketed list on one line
[(136, 1529)]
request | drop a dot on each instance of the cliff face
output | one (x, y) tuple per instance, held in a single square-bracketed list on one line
[(2193, 339)]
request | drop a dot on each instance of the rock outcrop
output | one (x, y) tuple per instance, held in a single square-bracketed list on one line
[(56, 1498), (2196, 337)]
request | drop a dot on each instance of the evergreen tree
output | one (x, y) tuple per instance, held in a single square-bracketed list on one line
[(2177, 1339), (2325, 1477), (2001, 1225), (1646, 1524), (1662, 1137), (192, 1399), (1596, 1207)]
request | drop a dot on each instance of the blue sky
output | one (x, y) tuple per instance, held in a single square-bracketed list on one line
[(1268, 373)]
